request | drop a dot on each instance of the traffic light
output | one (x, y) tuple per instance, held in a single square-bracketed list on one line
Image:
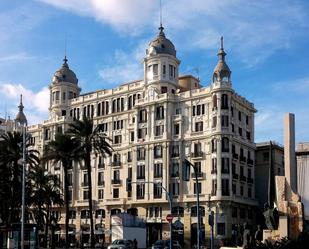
[(186, 165)]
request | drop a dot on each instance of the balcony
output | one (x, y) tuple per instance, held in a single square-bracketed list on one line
[(140, 177), (250, 180), (198, 174), (116, 181), (116, 164), (242, 178), (250, 162), (140, 158), (197, 154)]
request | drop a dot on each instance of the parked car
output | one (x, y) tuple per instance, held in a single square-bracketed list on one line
[(165, 244), (159, 244), (121, 244)]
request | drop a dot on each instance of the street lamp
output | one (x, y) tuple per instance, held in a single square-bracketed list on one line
[(186, 175), (21, 120), (169, 201)]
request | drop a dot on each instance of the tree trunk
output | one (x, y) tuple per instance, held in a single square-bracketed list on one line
[(66, 199), (88, 167), (46, 226)]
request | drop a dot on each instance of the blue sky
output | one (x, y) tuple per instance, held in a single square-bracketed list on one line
[(266, 43)]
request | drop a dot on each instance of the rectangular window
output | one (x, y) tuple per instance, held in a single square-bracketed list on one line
[(143, 116), (155, 69), (101, 179), (158, 170), (214, 122), (70, 179), (132, 136), (221, 229), (225, 121), (159, 112), (248, 135), (140, 153), (225, 187), (176, 129), (199, 187), (100, 194), (164, 69), (198, 126), (140, 191), (214, 188), (116, 193), (85, 195), (225, 165), (175, 169), (129, 156), (158, 151), (140, 172), (157, 190), (239, 116), (117, 139), (240, 131), (175, 188), (159, 130), (142, 133), (175, 150), (234, 212), (171, 70), (234, 189)]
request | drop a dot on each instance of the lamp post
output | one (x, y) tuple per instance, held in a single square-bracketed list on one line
[(21, 121), (23, 187), (186, 173), (170, 205)]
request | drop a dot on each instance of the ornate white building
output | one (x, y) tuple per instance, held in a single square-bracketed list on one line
[(155, 123)]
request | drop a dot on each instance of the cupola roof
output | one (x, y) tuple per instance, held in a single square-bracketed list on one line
[(161, 44), (222, 68), (21, 117), (65, 74)]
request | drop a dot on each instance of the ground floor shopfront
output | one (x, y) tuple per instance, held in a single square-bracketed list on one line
[(228, 216)]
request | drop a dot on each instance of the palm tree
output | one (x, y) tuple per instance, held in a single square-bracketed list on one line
[(64, 149), (91, 140), (45, 191), (10, 156)]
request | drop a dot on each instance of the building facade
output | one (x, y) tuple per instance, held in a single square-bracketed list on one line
[(302, 159), (269, 162), (155, 123)]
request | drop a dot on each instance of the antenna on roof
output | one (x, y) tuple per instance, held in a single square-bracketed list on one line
[(65, 45), (160, 13)]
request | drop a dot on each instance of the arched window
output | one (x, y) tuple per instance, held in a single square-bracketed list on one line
[(178, 211), (84, 214), (133, 211), (115, 211), (225, 144), (100, 213), (194, 211)]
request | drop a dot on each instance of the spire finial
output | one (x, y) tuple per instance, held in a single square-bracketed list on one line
[(160, 13), (161, 28), (222, 42), (21, 107)]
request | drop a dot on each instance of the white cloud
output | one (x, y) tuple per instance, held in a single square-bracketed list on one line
[(124, 67), (249, 27), (36, 103)]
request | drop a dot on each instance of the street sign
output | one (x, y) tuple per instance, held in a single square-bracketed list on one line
[(169, 218)]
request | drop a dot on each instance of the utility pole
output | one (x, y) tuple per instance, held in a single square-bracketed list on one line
[(186, 175)]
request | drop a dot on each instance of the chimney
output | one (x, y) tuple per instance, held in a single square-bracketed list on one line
[(289, 151)]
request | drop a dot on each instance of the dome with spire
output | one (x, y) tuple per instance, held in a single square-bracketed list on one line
[(222, 70), (161, 45), (21, 117), (64, 74)]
